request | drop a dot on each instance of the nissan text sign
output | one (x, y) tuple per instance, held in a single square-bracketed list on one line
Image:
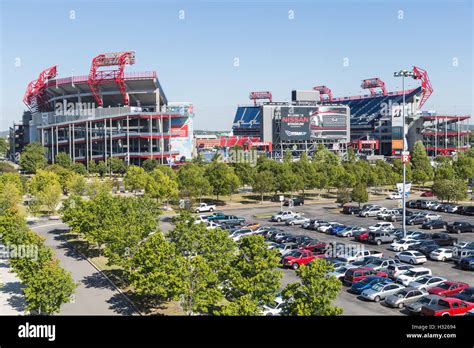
[(294, 123)]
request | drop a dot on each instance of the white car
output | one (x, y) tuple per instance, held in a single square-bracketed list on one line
[(387, 214), (330, 225), (432, 216), (203, 207), (412, 257), (403, 244), (350, 231), (373, 211), (412, 275), (441, 254), (297, 220), (242, 232), (283, 216), (211, 225), (394, 196), (274, 308), (380, 291), (382, 226), (426, 281)]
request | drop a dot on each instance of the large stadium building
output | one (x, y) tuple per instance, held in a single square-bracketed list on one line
[(375, 124), (108, 113)]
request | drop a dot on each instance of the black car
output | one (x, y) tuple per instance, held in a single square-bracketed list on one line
[(460, 227), (468, 211), (425, 247), (350, 210), (296, 201), (466, 295), (443, 239), (434, 224), (410, 204), (461, 209)]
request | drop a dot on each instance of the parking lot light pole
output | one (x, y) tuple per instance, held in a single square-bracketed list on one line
[(403, 74)]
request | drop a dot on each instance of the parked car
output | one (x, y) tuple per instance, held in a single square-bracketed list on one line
[(398, 269), (469, 210), (448, 288), (441, 254), (350, 210), (452, 208), (411, 257), (351, 231), (435, 206), (399, 216), (425, 247), (428, 300), (203, 207), (297, 220), (447, 307), (308, 225), (380, 291), (362, 237), (443, 239), (319, 223), (404, 297), (426, 281), (355, 275), (466, 294), (380, 237), (382, 264), (402, 244), (367, 283), (387, 214), (279, 235), (428, 204), (283, 216), (467, 263), (273, 308), (382, 226), (340, 272), (427, 194), (359, 254), (434, 224), (412, 275), (296, 201), (394, 196), (313, 245), (328, 227), (296, 258), (373, 211), (460, 227), (459, 254), (417, 219)]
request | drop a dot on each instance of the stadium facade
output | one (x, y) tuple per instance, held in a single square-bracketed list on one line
[(375, 122), (108, 113)]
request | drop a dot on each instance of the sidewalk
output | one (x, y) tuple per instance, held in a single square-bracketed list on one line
[(12, 301)]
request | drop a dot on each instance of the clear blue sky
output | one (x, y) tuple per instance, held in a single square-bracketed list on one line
[(194, 57)]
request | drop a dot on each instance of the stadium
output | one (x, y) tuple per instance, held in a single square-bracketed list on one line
[(375, 126), (107, 113)]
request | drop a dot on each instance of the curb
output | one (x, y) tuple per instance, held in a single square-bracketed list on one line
[(108, 279)]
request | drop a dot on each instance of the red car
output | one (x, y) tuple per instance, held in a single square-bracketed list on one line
[(427, 194), (296, 258), (355, 275), (362, 237), (315, 245), (448, 288), (447, 306)]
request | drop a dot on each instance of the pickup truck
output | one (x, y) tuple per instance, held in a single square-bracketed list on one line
[(203, 207), (460, 227), (443, 239), (359, 255), (446, 307), (297, 258)]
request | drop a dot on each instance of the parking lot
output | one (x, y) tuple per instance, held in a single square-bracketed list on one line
[(330, 212)]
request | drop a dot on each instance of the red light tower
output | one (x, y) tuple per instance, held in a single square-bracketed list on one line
[(324, 90), (260, 95), (373, 83), (34, 95), (99, 77), (427, 89)]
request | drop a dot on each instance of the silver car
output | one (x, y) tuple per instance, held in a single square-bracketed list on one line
[(415, 307), (404, 296), (380, 291), (426, 282)]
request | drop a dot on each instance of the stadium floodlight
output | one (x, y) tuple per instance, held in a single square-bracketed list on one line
[(404, 73)]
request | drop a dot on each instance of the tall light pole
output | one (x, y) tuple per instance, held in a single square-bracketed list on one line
[(403, 74)]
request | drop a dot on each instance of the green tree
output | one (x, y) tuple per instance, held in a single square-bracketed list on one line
[(101, 168), (7, 168), (161, 186), (135, 178), (63, 160), (287, 180), (51, 288), (150, 163), (316, 292), (33, 157), (263, 182), (422, 169), (46, 188), (79, 168), (157, 269), (450, 190), (245, 172), (4, 146), (360, 194), (117, 165), (77, 185), (253, 278), (92, 167), (464, 166)]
